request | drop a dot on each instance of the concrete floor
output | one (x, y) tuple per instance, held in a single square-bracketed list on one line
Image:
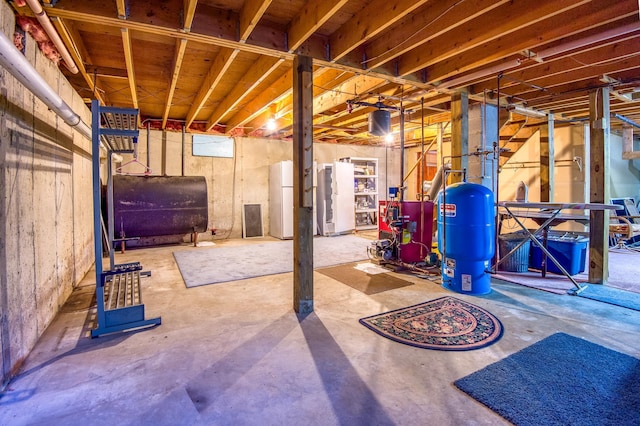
[(235, 353)]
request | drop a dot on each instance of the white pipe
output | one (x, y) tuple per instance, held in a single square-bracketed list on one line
[(14, 62), (48, 27)]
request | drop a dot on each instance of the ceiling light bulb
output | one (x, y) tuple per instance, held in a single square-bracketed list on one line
[(388, 138), (271, 124)]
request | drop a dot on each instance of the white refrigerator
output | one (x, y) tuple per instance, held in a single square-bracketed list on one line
[(281, 200), (335, 195)]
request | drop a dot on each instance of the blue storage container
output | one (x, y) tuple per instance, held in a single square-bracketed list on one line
[(466, 236), (570, 252)]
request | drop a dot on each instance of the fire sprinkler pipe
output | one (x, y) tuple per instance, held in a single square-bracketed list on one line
[(48, 27), (14, 62)]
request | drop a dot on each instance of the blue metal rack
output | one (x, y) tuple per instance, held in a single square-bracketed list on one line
[(118, 293)]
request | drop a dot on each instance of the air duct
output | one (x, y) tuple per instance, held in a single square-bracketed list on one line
[(14, 62), (379, 122)]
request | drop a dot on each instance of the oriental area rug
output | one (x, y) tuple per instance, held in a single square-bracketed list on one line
[(446, 323)]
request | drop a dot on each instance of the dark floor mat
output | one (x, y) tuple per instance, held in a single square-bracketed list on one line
[(363, 282)]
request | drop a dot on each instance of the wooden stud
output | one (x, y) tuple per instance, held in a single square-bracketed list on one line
[(599, 122), (547, 160), (627, 144), (459, 134)]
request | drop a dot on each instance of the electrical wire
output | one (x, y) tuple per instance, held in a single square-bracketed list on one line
[(414, 35)]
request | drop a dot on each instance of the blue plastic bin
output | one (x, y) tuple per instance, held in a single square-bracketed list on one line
[(569, 251)]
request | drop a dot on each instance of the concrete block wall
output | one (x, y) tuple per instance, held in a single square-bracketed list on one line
[(46, 231)]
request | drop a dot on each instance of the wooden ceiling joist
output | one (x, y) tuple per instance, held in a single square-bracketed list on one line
[(227, 64), (256, 74), (181, 47), (128, 59)]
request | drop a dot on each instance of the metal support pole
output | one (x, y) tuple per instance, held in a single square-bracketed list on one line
[(97, 226), (110, 212)]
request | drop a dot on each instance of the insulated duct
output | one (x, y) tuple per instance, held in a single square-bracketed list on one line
[(15, 62)]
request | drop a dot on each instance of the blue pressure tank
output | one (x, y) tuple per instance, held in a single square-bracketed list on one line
[(466, 237)]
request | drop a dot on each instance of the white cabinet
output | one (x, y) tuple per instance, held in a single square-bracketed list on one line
[(365, 185)]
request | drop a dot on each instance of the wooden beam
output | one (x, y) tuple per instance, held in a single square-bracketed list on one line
[(533, 72), (220, 66), (547, 161), (256, 107), (325, 79), (108, 72), (311, 17), (181, 47), (212, 39), (303, 185), (557, 28), (251, 12), (358, 85), (374, 18), (122, 9), (599, 184), (247, 83), (74, 51), (128, 59), (627, 144), (506, 19), (459, 134), (571, 74), (416, 29), (189, 13)]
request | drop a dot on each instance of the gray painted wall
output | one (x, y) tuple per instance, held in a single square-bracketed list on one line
[(46, 232)]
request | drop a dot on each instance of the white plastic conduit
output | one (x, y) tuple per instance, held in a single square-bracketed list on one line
[(14, 62), (48, 27)]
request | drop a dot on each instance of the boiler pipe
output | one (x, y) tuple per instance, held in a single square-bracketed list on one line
[(626, 120), (148, 143)]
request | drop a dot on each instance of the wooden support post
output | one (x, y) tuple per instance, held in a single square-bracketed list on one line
[(627, 144), (303, 184), (599, 185), (547, 161), (459, 134)]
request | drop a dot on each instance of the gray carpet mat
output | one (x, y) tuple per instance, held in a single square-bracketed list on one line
[(221, 264)]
